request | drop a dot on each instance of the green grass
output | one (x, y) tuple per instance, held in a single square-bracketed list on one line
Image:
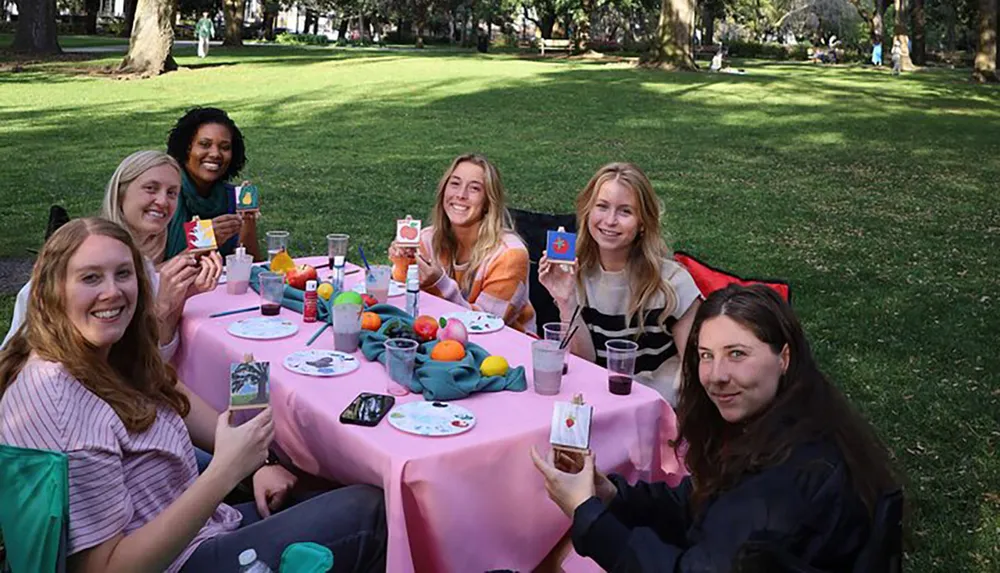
[(875, 196), (75, 41)]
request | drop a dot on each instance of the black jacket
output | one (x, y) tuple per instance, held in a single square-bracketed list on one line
[(805, 506)]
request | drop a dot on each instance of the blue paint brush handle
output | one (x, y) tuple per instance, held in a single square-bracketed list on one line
[(237, 311)]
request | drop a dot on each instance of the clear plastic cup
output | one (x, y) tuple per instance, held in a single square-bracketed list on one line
[(272, 292), (346, 327), (336, 251), (238, 273), (547, 366), (277, 241), (377, 282), (400, 355), (556, 331), (621, 365)]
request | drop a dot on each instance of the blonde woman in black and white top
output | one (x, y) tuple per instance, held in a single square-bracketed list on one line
[(625, 280)]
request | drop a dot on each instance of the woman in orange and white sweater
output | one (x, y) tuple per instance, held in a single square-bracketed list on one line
[(470, 255)]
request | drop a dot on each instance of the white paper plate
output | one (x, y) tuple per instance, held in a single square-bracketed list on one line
[(263, 328), (477, 322), (395, 288), (431, 418), (321, 363)]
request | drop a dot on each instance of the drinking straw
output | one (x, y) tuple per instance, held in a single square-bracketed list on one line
[(364, 259), (237, 311)]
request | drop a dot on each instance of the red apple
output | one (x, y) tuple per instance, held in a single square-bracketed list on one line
[(298, 276), (426, 327)]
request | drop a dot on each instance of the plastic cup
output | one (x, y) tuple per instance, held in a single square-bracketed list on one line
[(272, 291), (400, 355), (277, 241), (346, 327), (336, 251), (556, 331), (377, 282), (547, 366), (238, 273), (621, 365)]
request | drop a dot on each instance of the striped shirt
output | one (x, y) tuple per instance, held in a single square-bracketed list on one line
[(607, 295), (118, 481), (500, 285)]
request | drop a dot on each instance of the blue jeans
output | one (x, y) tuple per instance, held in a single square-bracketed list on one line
[(349, 521), (202, 458)]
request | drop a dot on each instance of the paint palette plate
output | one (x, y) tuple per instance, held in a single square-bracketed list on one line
[(431, 418), (263, 328), (322, 363), (477, 322)]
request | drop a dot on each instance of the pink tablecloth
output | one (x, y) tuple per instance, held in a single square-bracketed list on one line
[(465, 503)]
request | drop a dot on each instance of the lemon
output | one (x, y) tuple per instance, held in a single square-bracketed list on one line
[(324, 291), (494, 366)]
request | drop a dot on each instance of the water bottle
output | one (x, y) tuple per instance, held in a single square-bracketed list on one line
[(250, 564), (412, 290)]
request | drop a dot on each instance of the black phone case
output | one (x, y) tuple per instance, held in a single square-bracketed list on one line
[(389, 402)]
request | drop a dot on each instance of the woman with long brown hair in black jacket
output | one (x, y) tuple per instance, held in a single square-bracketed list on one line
[(776, 453)]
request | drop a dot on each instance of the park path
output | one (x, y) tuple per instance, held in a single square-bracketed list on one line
[(122, 48)]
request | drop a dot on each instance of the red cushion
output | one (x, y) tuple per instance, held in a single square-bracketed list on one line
[(710, 280)]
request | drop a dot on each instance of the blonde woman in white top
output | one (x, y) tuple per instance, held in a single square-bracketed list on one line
[(142, 197), (625, 281)]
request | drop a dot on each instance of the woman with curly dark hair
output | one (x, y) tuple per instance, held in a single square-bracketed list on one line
[(211, 150), (778, 458)]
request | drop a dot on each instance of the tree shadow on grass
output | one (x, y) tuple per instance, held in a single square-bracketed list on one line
[(871, 207)]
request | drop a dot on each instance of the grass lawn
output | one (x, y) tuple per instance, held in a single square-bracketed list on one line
[(875, 196), (75, 41)]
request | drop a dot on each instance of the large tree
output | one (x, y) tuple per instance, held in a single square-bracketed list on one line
[(233, 11), (900, 32), (36, 27), (985, 68), (152, 39), (919, 54), (672, 45)]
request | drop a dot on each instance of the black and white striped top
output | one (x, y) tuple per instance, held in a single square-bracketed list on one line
[(606, 303)]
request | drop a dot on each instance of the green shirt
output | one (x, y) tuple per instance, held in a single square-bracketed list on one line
[(204, 28)]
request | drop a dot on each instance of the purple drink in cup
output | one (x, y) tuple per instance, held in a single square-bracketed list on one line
[(621, 365), (547, 366)]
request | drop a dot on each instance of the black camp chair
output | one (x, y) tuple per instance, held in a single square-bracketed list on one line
[(532, 227)]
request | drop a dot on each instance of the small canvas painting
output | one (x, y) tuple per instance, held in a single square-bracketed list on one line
[(560, 246), (408, 231), (247, 199), (200, 235), (571, 425), (249, 384)]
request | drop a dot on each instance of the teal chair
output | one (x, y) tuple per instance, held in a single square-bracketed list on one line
[(34, 509)]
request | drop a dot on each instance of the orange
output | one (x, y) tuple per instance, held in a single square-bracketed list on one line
[(370, 321), (448, 351)]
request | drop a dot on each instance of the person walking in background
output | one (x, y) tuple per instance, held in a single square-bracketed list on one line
[(877, 54), (204, 30), (897, 57)]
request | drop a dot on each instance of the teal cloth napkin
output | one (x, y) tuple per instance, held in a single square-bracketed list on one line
[(306, 557), (438, 380)]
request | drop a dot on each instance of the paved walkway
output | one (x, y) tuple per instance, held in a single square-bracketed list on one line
[(122, 48)]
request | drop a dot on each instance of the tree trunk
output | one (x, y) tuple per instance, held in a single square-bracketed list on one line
[(91, 8), (672, 47), (451, 27), (361, 27), (270, 15), (36, 27), (877, 22), (232, 11), (152, 39), (708, 21), (129, 17), (950, 35), (919, 54), (900, 33), (547, 25), (985, 67), (583, 26)]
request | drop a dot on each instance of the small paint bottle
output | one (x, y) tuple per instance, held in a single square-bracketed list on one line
[(309, 306), (413, 290)]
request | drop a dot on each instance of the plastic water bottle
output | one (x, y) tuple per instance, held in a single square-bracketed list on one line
[(413, 290), (250, 564)]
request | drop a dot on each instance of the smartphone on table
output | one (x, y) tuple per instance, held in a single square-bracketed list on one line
[(367, 409)]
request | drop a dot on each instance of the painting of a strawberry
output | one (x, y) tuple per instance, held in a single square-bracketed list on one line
[(570, 422), (560, 246)]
